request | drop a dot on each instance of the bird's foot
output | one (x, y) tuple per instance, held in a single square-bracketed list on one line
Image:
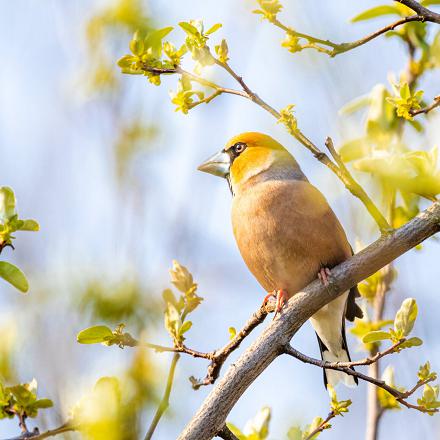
[(280, 296), (324, 275)]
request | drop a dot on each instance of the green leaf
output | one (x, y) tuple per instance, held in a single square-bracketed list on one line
[(213, 28), (377, 11), (95, 335), (430, 2), (405, 317), (13, 275), (43, 403), (189, 28), (295, 433), (29, 225), (375, 336), (7, 203), (181, 277), (411, 342), (185, 327), (236, 431)]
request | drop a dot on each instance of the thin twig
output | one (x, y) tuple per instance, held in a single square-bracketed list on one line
[(427, 109), (217, 357), (226, 434), (342, 366), (338, 48), (165, 402), (36, 435), (321, 426)]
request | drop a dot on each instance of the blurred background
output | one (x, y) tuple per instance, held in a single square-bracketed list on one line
[(108, 168)]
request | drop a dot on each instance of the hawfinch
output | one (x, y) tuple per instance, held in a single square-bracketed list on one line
[(287, 234)]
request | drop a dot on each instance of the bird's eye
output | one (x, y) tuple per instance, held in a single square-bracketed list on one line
[(239, 147)]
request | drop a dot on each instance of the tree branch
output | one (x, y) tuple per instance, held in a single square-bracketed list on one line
[(35, 434), (345, 367), (211, 416), (427, 109), (338, 48), (217, 357), (421, 10)]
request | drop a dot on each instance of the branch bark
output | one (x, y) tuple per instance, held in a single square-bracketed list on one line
[(211, 416)]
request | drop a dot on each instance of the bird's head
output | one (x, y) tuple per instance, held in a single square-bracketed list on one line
[(249, 155)]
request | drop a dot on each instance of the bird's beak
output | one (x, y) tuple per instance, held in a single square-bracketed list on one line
[(218, 164)]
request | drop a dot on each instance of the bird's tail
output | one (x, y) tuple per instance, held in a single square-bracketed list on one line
[(333, 377)]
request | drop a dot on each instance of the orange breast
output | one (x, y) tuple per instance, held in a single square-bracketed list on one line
[(286, 232)]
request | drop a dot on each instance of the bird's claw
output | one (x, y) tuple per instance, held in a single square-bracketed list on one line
[(280, 297), (323, 275)]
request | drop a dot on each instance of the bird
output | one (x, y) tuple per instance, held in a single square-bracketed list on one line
[(287, 235)]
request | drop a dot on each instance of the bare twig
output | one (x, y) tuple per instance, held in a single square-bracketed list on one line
[(165, 402), (346, 368), (427, 109), (338, 48), (226, 434), (211, 416), (220, 356), (217, 357), (36, 435)]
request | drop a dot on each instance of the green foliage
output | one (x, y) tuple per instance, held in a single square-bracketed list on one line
[(183, 98), (368, 288), (101, 415), (232, 333), (288, 119), (177, 309), (425, 373), (21, 401), (362, 327), (196, 39), (269, 9), (256, 428), (9, 220), (406, 101), (429, 398), (292, 43), (339, 407), (9, 224), (95, 335), (377, 11), (13, 275), (146, 55), (295, 432), (222, 51), (386, 400), (403, 325)]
